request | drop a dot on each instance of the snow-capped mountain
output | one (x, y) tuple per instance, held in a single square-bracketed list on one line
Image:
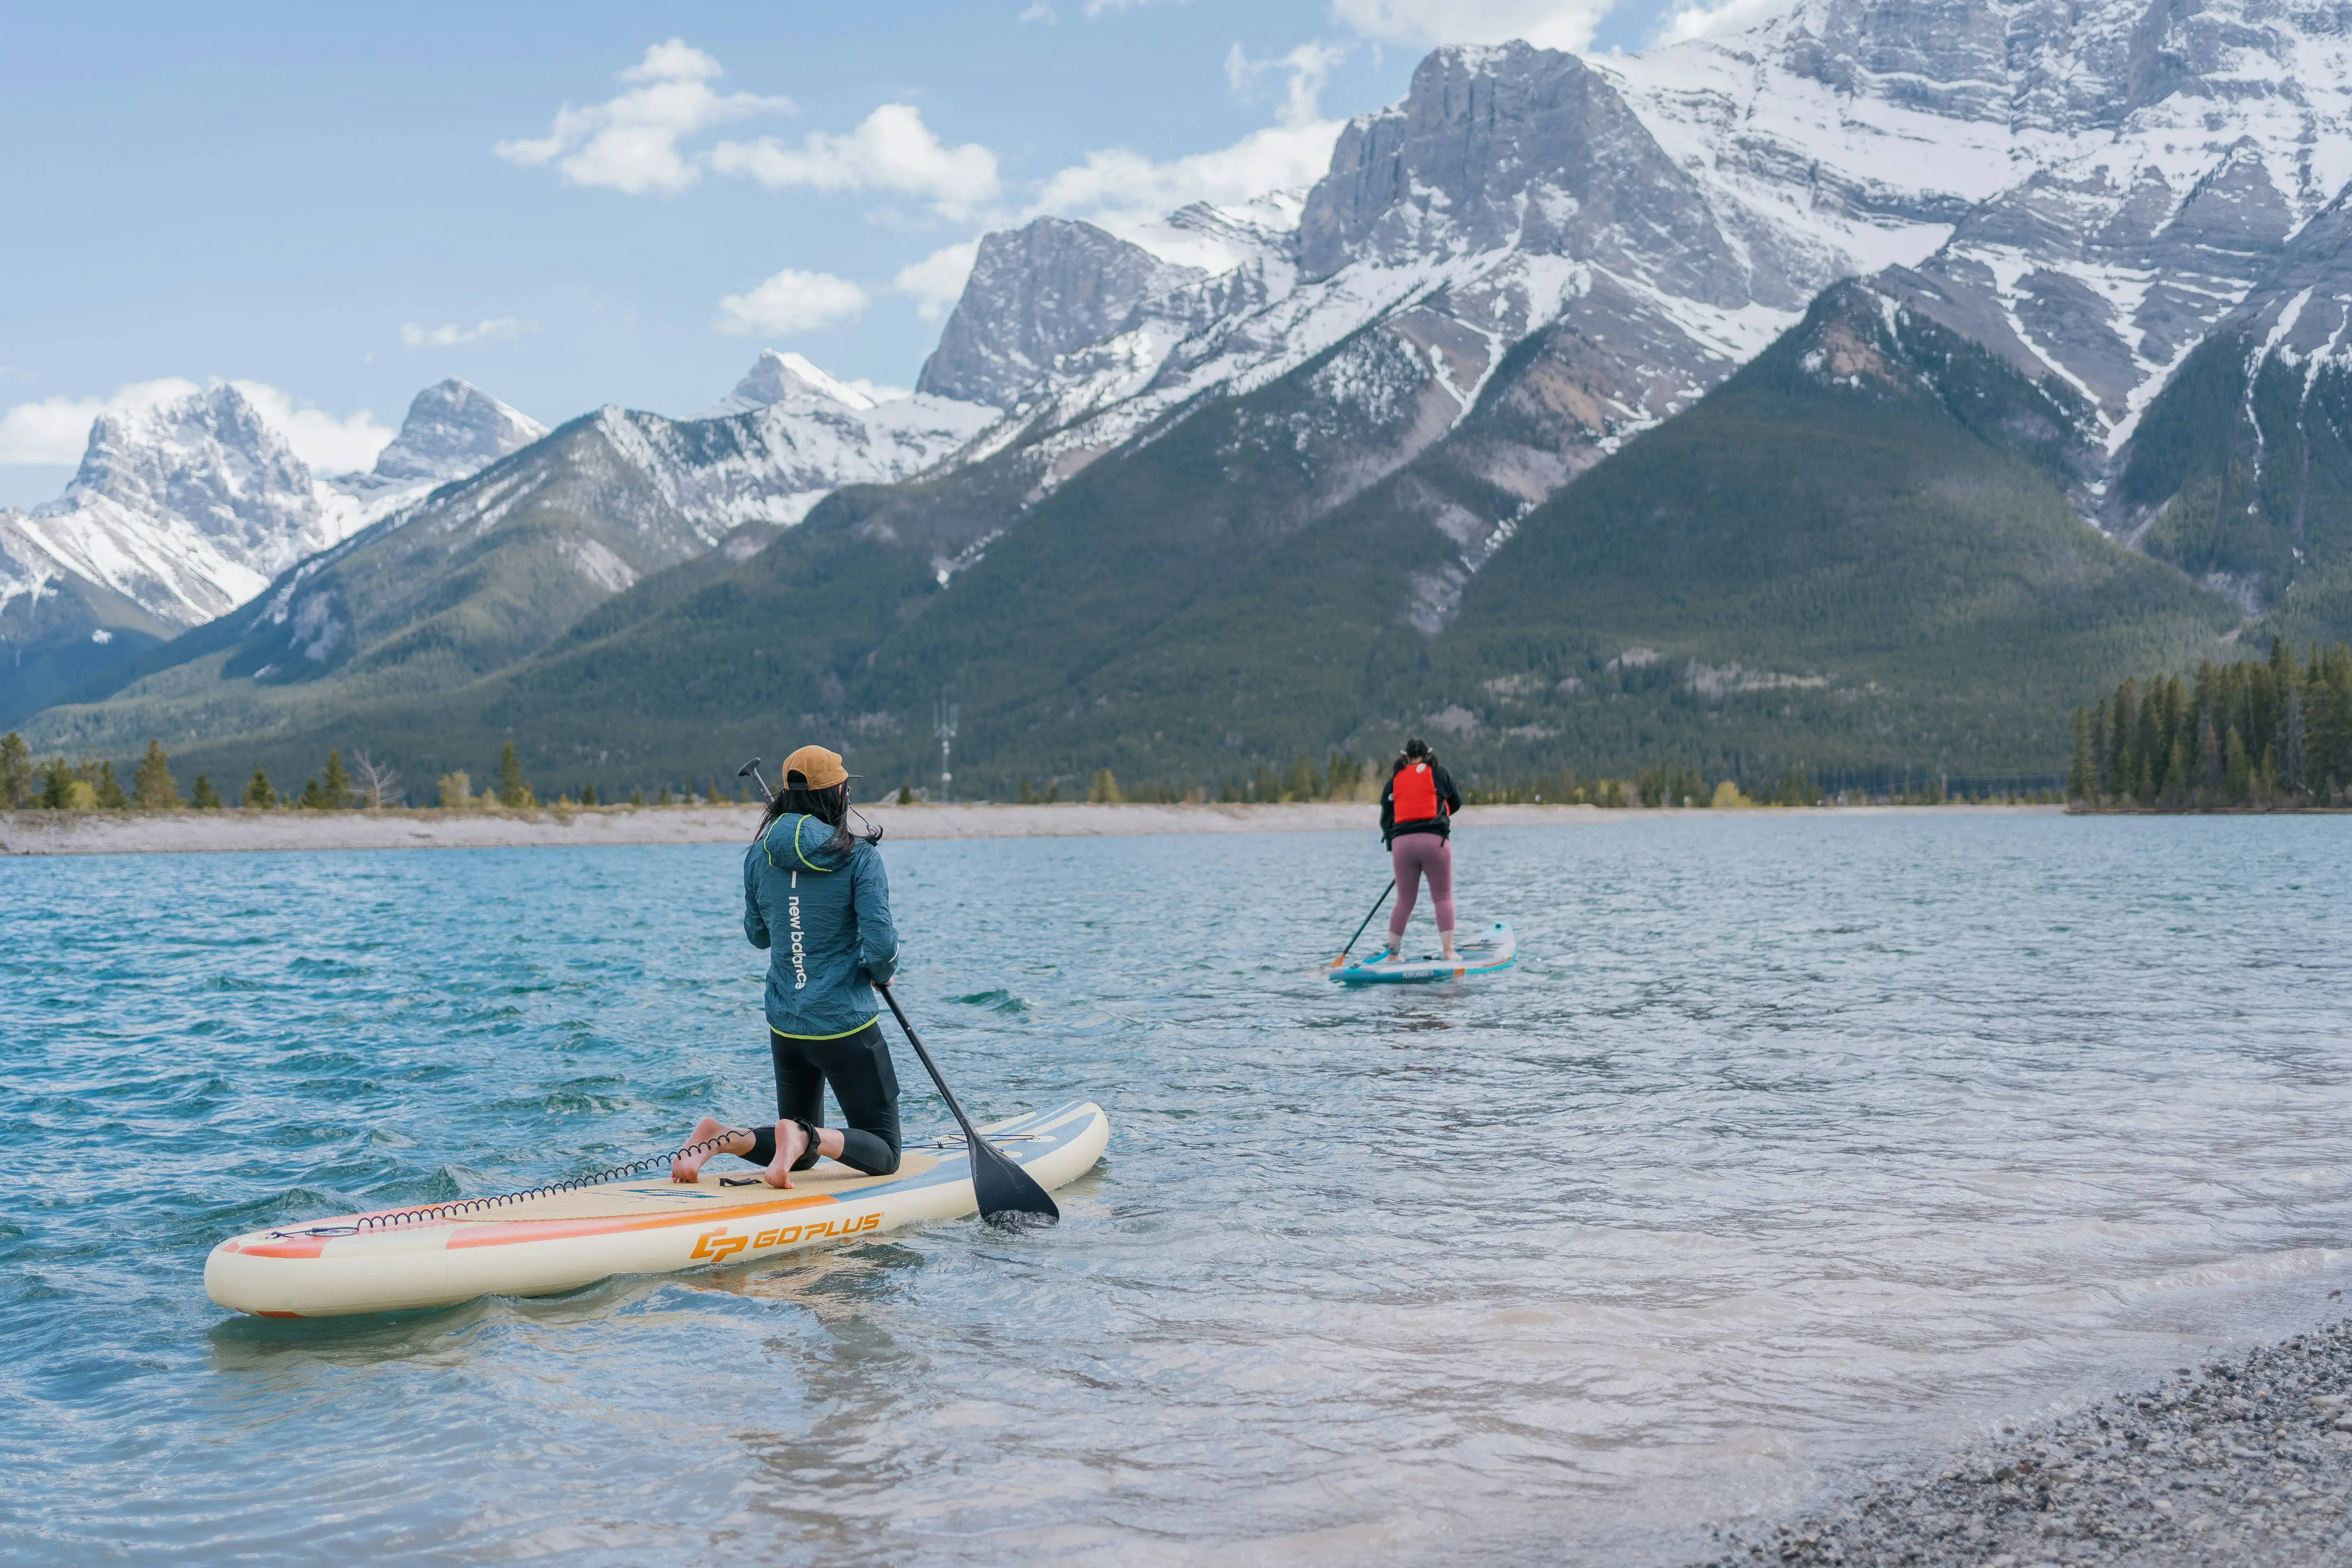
[(188, 508), (183, 510), (453, 430), (2086, 189), (786, 438), (777, 377)]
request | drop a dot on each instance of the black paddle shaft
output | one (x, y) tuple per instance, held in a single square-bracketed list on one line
[(1368, 919), (1007, 1194)]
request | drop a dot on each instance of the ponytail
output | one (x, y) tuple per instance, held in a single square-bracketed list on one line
[(830, 806)]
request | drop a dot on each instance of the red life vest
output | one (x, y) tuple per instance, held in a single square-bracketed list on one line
[(1415, 789)]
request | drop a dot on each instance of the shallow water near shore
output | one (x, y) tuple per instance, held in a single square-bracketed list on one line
[(1790, 1143)]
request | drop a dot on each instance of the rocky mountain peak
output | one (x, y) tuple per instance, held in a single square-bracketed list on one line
[(209, 457), (1036, 292), (1516, 148), (453, 429), (784, 377)]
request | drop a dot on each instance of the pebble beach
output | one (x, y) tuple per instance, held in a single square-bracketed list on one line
[(2245, 1460)]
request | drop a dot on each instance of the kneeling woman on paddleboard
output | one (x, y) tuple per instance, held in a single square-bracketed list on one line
[(1416, 819), (815, 896)]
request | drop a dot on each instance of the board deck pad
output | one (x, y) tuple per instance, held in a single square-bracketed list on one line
[(1496, 948), (540, 1244)]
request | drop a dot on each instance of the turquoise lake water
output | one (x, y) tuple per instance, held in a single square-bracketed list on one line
[(1791, 1142)]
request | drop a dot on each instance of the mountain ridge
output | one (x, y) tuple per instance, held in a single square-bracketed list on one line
[(1384, 391)]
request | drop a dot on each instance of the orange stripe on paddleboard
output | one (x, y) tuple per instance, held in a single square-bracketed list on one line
[(507, 1233)]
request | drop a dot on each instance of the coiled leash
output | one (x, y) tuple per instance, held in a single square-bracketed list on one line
[(456, 1207)]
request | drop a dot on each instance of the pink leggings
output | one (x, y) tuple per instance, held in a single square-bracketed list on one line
[(1415, 856)]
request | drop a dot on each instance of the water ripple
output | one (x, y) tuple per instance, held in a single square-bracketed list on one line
[(1791, 1142)]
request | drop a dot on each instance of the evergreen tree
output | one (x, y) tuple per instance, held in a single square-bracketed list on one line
[(1105, 790), (2291, 746), (2102, 784), (512, 791), (1226, 793), (1342, 775), (257, 792), (1302, 783), (2237, 770), (206, 797), (588, 794), (2080, 782), (57, 783), (335, 787), (153, 786), (1053, 792), (1028, 794), (1266, 785), (110, 790), (16, 772), (636, 796), (907, 792), (663, 799), (312, 798)]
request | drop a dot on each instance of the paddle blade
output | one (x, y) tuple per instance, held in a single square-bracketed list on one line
[(1008, 1195)]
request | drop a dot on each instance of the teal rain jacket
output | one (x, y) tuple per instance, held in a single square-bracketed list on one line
[(826, 919)]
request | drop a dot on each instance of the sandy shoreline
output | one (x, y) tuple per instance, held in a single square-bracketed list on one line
[(184, 831)]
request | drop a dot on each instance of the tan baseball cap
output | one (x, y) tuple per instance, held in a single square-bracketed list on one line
[(813, 767)]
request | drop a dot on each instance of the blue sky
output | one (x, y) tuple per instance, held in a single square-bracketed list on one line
[(612, 203)]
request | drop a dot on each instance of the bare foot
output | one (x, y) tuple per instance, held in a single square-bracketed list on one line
[(688, 1167), (1447, 936), (791, 1144)]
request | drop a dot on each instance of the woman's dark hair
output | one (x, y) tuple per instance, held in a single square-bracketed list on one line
[(1416, 750), (827, 805)]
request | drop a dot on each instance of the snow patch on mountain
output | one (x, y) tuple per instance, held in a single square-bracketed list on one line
[(779, 377), (804, 435)]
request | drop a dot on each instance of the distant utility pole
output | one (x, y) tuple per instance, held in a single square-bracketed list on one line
[(944, 720)]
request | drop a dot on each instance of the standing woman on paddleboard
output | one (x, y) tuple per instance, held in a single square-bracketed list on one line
[(1416, 822), (815, 896)]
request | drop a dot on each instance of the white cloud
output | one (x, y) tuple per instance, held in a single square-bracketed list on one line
[(891, 150), (55, 431), (936, 282), (1705, 21), (1123, 189), (491, 330), (1547, 24), (331, 445), (1040, 12), (790, 301), (630, 143)]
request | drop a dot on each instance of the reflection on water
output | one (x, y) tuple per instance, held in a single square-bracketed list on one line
[(1791, 1142)]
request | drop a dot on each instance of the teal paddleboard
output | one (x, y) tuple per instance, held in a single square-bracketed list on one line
[(1495, 950)]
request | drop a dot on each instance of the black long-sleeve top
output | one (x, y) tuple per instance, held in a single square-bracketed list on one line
[(1450, 802)]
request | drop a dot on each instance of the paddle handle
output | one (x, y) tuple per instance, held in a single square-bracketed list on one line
[(1368, 919)]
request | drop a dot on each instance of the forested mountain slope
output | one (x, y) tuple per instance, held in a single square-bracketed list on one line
[(1446, 442)]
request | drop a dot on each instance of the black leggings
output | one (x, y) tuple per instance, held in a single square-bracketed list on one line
[(864, 1084)]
